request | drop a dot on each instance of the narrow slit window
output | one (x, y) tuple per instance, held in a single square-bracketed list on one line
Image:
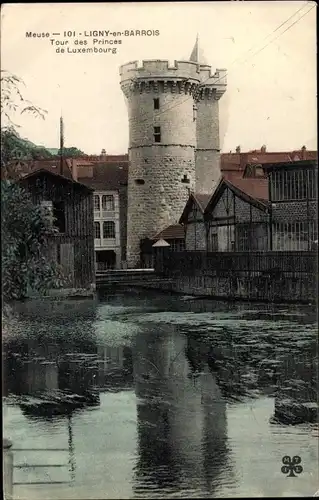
[(185, 179), (157, 134), (194, 112), (156, 103)]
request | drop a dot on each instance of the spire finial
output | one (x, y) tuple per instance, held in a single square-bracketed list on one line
[(196, 55)]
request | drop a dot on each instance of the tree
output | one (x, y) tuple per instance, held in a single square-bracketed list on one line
[(13, 147), (25, 228), (72, 152)]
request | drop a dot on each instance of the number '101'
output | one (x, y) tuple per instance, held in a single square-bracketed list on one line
[(69, 33)]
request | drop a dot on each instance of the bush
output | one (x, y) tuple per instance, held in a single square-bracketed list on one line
[(25, 230)]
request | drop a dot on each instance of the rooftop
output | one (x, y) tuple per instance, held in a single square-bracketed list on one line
[(173, 232), (197, 54), (45, 172), (107, 176), (254, 188)]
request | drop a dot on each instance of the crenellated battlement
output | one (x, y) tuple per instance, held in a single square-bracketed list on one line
[(152, 74), (160, 70), (212, 85)]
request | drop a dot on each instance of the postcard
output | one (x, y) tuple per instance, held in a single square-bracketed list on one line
[(159, 199)]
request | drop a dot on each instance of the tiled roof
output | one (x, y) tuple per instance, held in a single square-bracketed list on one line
[(80, 162), (104, 158), (255, 188), (59, 177), (52, 165), (202, 199), (173, 232), (107, 176), (252, 191), (238, 161)]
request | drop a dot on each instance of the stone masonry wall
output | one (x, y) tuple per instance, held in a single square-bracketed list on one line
[(207, 155), (294, 211), (195, 236), (174, 116), (160, 201), (156, 193)]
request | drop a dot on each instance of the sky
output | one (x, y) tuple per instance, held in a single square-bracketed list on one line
[(268, 49)]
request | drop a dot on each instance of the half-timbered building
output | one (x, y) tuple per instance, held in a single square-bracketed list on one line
[(193, 221), (234, 218), (237, 217)]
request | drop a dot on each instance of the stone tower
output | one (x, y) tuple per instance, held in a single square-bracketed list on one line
[(173, 124), (207, 155)]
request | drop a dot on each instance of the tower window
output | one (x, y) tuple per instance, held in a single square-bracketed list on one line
[(139, 181), (157, 134), (185, 179), (156, 103), (194, 112)]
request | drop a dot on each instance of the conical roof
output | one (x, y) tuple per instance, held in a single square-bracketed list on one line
[(197, 54)]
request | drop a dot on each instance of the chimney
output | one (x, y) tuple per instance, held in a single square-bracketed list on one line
[(263, 149), (243, 160), (74, 170), (238, 149), (303, 152), (103, 153)]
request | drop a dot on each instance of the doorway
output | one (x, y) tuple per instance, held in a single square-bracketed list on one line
[(105, 260)]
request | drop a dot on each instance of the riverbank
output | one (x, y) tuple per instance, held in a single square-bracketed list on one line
[(241, 290), (278, 277)]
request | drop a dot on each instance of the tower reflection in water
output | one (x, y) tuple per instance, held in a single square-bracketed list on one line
[(181, 414)]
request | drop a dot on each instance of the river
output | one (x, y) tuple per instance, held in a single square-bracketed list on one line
[(183, 401)]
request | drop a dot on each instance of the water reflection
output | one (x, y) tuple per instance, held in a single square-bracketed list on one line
[(178, 376), (181, 414)]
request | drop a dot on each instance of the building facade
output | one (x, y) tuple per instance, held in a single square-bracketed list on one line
[(194, 223), (237, 221), (293, 194), (107, 244), (108, 179), (169, 107), (70, 204), (233, 218)]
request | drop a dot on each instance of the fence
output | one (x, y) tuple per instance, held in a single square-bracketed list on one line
[(262, 276), (190, 263)]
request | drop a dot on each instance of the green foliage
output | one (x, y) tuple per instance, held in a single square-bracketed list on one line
[(25, 230), (14, 148), (72, 152)]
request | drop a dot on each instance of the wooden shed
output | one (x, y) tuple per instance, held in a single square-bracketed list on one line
[(71, 206)]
